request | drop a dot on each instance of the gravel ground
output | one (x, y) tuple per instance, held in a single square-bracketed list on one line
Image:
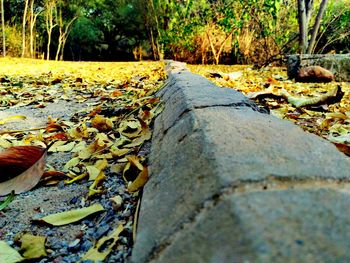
[(69, 242)]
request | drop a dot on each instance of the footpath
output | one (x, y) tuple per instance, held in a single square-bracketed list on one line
[(231, 183)]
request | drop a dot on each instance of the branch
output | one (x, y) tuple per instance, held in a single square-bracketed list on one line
[(316, 25)]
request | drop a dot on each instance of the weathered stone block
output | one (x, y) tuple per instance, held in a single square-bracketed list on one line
[(202, 151), (338, 64), (308, 225)]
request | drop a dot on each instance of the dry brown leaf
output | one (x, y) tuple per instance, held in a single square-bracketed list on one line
[(21, 168)]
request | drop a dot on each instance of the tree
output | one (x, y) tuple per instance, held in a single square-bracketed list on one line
[(305, 9), (50, 8), (33, 14), (66, 14), (24, 23), (3, 29)]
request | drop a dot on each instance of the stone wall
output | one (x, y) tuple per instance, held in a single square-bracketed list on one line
[(338, 64)]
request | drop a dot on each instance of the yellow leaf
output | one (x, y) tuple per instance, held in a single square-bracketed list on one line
[(33, 246), (93, 188), (79, 147), (85, 153), (93, 172), (145, 135), (55, 145), (66, 148), (135, 160), (117, 168), (102, 249), (8, 254), (140, 181), (130, 128), (76, 178), (116, 152), (101, 164), (11, 118), (71, 163), (64, 218)]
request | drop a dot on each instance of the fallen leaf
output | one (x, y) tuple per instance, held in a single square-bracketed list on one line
[(135, 161), (8, 254), (103, 247), (330, 97), (55, 145), (343, 148), (66, 147), (76, 178), (71, 163), (33, 247), (11, 118), (64, 218), (101, 123), (140, 181), (93, 189), (21, 168), (7, 201)]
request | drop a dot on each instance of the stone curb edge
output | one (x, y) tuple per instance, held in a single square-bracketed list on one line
[(230, 183)]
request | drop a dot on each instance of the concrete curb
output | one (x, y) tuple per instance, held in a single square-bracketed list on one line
[(229, 183)]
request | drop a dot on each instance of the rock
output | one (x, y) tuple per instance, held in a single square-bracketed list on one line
[(314, 74), (230, 184), (339, 64)]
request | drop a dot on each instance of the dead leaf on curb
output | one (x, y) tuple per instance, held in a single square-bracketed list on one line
[(21, 168)]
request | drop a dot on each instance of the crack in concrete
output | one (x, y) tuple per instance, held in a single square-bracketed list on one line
[(272, 183)]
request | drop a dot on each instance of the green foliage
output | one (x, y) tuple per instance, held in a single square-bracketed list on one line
[(83, 38), (249, 31), (13, 41)]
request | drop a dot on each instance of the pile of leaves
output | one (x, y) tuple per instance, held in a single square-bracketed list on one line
[(319, 108), (112, 107)]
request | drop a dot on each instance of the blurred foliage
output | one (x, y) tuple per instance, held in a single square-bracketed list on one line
[(197, 31)]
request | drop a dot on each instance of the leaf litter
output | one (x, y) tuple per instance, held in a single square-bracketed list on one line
[(97, 120), (319, 108)]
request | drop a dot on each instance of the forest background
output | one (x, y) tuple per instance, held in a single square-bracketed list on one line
[(196, 31)]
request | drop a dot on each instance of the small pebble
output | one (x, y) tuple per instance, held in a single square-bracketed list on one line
[(101, 231), (60, 185)]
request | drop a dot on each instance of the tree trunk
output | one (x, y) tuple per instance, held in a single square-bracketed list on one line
[(50, 7), (31, 29), (316, 27), (3, 29), (305, 8), (217, 53), (303, 25), (24, 27), (64, 33)]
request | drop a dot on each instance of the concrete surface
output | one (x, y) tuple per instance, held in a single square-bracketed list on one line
[(230, 183)]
